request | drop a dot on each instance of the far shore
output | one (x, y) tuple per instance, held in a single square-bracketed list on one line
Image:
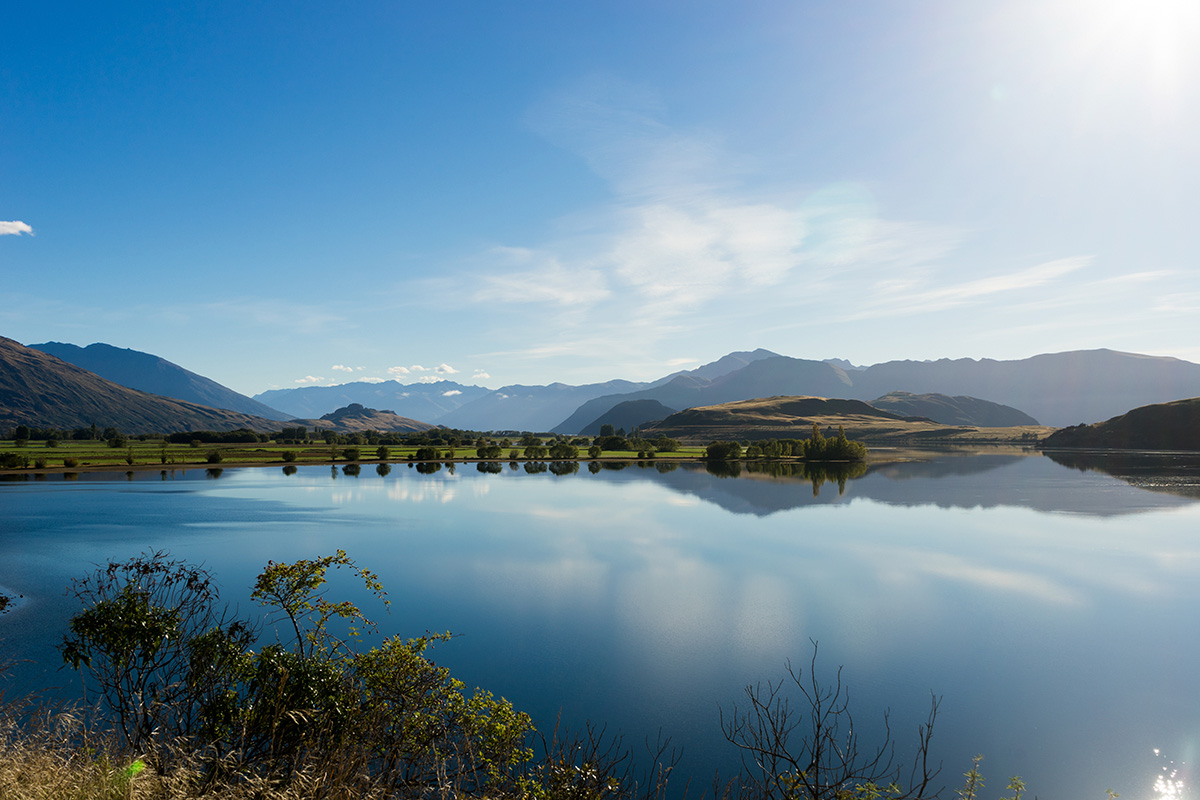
[(883, 454)]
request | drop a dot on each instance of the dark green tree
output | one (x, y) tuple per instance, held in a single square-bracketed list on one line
[(723, 451)]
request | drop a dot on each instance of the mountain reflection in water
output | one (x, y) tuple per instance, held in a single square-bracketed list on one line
[(1174, 473), (946, 479)]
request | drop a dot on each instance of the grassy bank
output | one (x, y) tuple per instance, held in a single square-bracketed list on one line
[(97, 455)]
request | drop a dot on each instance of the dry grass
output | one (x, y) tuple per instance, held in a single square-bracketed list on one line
[(55, 757)]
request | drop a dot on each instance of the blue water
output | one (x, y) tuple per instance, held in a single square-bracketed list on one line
[(1054, 610)]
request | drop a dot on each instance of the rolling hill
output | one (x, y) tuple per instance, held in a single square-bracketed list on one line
[(764, 377), (947, 410), (1162, 426), (39, 390), (354, 418), (792, 418)]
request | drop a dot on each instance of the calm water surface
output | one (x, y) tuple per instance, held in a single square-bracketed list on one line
[(1054, 607)]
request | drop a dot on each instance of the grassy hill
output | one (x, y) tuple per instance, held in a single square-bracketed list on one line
[(792, 418), (960, 410), (39, 390), (1163, 426)]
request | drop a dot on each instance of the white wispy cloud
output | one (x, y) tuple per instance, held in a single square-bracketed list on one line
[(341, 368), (14, 228), (1181, 303), (308, 379), (681, 234), (524, 275), (902, 297), (417, 369), (695, 237), (480, 375), (451, 393)]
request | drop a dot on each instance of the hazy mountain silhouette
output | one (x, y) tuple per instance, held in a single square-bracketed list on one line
[(150, 373), (629, 415), (768, 375), (1058, 388), (40, 390), (537, 408), (528, 408), (424, 401)]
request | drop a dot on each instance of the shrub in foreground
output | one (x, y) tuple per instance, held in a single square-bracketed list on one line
[(168, 666), (192, 692)]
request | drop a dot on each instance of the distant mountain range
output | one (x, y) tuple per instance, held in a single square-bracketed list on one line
[(1054, 389), (40, 390), (424, 401), (1057, 389), (149, 373), (510, 408)]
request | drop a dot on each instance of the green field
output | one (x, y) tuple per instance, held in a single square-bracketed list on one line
[(136, 454)]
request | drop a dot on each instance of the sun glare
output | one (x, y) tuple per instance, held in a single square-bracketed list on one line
[(1147, 40)]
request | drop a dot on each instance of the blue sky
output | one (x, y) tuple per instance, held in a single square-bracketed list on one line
[(281, 194)]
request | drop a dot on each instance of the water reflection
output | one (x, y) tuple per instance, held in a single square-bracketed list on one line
[(946, 480), (1167, 784), (626, 594), (1173, 473)]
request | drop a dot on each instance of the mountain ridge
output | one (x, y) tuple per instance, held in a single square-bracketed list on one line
[(156, 375), (41, 390)]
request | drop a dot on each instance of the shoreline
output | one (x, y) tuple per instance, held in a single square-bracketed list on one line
[(884, 454)]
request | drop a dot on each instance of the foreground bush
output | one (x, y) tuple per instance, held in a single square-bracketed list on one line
[(174, 676), (191, 701)]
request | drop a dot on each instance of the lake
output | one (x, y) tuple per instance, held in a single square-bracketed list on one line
[(1054, 607)]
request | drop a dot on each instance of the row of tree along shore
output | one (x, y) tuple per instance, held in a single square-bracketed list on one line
[(42, 449)]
